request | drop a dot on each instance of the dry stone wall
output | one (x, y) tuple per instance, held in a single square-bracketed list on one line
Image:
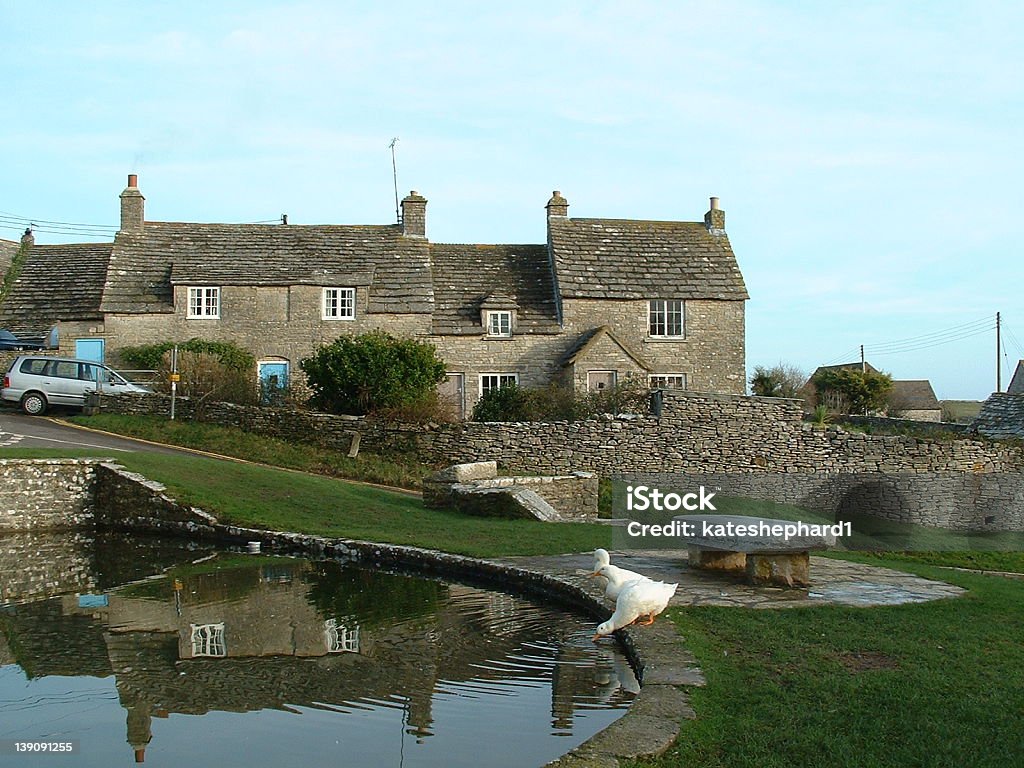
[(46, 494), (762, 443)]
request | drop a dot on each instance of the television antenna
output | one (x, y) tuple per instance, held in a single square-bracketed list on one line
[(394, 174)]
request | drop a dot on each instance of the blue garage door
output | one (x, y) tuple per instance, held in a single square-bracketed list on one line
[(89, 349)]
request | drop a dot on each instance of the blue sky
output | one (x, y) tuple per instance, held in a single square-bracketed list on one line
[(868, 155)]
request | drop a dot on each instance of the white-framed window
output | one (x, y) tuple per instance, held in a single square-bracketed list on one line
[(208, 640), (499, 323), (204, 301), (489, 381), (340, 639), (339, 304), (667, 381), (666, 318)]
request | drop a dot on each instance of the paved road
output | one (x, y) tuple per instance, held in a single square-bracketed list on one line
[(21, 431)]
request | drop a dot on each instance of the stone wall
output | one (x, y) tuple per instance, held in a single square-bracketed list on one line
[(37, 565), (761, 439), (46, 494), (912, 424)]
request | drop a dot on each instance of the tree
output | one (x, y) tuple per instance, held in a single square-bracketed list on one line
[(850, 390), (781, 380), (372, 373)]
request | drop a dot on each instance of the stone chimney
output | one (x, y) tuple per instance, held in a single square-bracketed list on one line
[(133, 206), (28, 238), (414, 215), (714, 219), (557, 205)]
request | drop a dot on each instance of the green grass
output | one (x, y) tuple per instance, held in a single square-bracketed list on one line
[(275, 499), (229, 441), (933, 684)]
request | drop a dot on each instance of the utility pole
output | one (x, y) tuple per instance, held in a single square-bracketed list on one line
[(999, 344), (863, 364)]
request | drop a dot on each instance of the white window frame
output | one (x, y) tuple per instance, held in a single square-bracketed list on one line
[(500, 375), (681, 377), (663, 308), (208, 640), (338, 303), (339, 638), (201, 300), (496, 328)]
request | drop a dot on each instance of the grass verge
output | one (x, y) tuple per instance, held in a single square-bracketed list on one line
[(265, 497), (936, 684), (229, 441)]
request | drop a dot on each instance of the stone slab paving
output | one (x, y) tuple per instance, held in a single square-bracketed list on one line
[(833, 582)]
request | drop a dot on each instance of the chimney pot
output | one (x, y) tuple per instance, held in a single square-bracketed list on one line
[(414, 215), (133, 206), (557, 205), (714, 219)]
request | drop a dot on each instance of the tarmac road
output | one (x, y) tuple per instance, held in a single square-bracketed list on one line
[(20, 431)]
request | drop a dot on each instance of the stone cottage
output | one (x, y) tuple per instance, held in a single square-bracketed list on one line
[(601, 301)]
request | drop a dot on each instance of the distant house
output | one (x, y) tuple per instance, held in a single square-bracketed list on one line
[(914, 399), (909, 399), (601, 301), (1017, 382)]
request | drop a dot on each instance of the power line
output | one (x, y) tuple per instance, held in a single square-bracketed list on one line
[(935, 335), (14, 217), (938, 343)]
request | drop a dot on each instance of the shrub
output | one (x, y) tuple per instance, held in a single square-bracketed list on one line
[(558, 402), (151, 356), (782, 380), (848, 390), (372, 373), (206, 378)]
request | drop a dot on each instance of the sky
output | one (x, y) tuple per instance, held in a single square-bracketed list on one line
[(868, 155)]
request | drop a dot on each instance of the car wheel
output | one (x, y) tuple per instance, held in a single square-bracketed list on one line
[(34, 404)]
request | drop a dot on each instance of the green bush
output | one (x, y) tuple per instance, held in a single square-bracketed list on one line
[(150, 357), (558, 402), (848, 390), (372, 373)]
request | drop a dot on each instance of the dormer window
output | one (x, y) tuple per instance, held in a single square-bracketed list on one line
[(666, 319), (499, 323)]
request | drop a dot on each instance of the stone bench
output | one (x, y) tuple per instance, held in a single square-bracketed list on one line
[(764, 557)]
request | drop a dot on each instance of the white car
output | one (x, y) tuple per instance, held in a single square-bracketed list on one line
[(37, 382)]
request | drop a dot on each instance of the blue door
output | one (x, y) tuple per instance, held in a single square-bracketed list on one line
[(89, 349), (273, 382)]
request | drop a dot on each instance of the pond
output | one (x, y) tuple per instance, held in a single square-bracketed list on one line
[(174, 654)]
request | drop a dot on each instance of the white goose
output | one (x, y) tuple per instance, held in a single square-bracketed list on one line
[(617, 577), (641, 598)]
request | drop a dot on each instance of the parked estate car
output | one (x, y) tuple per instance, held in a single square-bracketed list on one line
[(9, 341), (36, 383)]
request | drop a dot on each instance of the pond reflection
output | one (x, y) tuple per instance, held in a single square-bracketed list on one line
[(388, 668)]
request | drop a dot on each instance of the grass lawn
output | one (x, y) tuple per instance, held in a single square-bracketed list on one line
[(934, 684), (264, 497), (229, 441)]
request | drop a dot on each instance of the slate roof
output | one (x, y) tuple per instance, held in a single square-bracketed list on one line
[(627, 259), (57, 282), (587, 339), (1017, 382), (1002, 415), (145, 265), (7, 250), (913, 395), (466, 276)]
